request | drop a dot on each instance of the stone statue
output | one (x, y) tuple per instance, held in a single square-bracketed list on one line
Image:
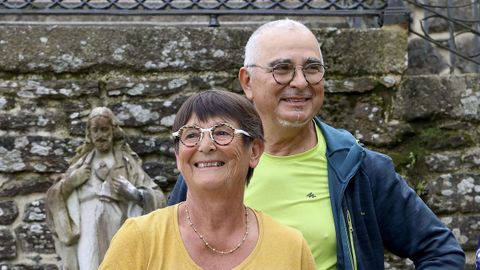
[(104, 185)]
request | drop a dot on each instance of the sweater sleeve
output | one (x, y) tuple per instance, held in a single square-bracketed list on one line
[(307, 259), (126, 249)]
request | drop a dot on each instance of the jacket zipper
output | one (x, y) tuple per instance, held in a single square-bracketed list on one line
[(353, 258)]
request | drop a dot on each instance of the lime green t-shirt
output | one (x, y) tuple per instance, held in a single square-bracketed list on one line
[(294, 191)]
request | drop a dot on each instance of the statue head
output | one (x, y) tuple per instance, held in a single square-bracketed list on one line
[(102, 132)]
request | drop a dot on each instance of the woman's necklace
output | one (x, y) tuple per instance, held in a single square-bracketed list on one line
[(206, 242)]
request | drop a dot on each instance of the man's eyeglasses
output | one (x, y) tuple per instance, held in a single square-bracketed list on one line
[(284, 73), (221, 134)]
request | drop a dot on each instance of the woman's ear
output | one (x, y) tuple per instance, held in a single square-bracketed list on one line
[(245, 80), (257, 150), (177, 161)]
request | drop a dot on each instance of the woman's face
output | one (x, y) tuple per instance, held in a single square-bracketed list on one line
[(209, 166)]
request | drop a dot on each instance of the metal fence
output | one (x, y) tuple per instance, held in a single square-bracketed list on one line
[(457, 18), (383, 11)]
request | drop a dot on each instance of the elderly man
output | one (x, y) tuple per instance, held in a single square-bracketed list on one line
[(102, 188), (347, 200)]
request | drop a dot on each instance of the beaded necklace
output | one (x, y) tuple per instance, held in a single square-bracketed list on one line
[(189, 220)]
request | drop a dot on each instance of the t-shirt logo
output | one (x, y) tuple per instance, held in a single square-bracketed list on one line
[(311, 195)]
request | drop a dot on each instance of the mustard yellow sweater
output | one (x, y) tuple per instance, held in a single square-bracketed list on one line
[(153, 241)]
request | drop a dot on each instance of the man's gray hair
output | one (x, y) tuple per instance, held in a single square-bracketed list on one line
[(251, 50)]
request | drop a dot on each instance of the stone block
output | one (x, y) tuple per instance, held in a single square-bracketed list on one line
[(448, 161), (423, 58), (162, 172), (443, 162), (35, 153), (372, 51), (35, 211), (147, 113), (465, 228), (147, 145), (35, 238), (360, 84), (25, 121), (55, 89), (454, 192), (425, 97), (4, 266), (8, 248), (8, 212), (149, 48), (26, 183), (159, 88)]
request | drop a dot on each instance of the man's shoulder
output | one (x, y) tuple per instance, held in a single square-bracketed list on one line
[(335, 138), (275, 228)]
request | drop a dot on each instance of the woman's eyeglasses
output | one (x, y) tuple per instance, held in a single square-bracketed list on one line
[(221, 134)]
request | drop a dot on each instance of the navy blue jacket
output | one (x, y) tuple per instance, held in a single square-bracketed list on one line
[(375, 209)]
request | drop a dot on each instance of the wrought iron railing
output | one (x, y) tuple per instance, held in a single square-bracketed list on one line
[(384, 11), (460, 18)]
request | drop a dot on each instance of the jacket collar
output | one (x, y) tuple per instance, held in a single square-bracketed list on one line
[(344, 154)]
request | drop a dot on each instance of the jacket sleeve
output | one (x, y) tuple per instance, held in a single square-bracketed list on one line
[(408, 227), (179, 192)]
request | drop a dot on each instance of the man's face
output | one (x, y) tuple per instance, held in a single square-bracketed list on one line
[(101, 133), (291, 105)]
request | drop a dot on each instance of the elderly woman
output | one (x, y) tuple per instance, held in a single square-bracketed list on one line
[(218, 142)]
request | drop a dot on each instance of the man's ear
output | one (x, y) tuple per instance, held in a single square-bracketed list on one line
[(257, 150), (245, 81)]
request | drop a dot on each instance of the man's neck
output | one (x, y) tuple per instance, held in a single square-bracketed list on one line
[(286, 141)]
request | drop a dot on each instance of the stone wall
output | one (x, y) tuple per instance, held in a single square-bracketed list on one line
[(52, 76)]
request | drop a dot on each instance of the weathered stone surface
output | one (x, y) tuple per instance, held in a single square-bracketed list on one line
[(423, 58), (8, 248), (468, 45), (4, 266), (162, 172), (441, 162), (105, 47), (25, 120), (422, 97), (357, 84), (454, 193), (144, 48), (465, 228), (164, 87), (56, 89), (149, 145), (35, 153), (343, 47), (25, 183), (366, 118), (8, 212), (147, 113), (158, 88), (393, 262), (460, 9), (35, 211), (453, 160), (6, 103), (35, 238)]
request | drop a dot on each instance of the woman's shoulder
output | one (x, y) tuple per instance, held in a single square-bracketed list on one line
[(159, 217)]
